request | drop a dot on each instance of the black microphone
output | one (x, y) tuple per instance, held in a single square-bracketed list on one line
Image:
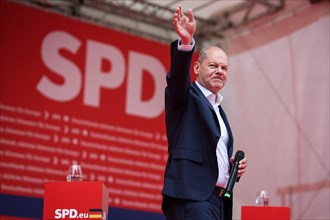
[(233, 174)]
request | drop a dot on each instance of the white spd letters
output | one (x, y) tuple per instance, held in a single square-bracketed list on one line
[(65, 213), (50, 54), (97, 78)]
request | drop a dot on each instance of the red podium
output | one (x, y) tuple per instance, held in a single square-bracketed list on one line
[(265, 213), (72, 200)]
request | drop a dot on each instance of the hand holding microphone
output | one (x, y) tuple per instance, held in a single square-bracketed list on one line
[(235, 173)]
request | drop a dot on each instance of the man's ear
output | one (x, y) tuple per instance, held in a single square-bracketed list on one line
[(196, 67)]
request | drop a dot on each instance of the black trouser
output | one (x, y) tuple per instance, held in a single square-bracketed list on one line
[(184, 209)]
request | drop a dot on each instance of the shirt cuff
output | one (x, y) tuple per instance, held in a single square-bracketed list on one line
[(184, 47)]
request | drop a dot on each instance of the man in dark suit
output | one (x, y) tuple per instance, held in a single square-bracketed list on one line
[(200, 141)]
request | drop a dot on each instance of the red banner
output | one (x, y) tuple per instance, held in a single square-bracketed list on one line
[(76, 93)]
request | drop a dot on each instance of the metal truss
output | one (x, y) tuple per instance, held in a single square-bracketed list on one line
[(148, 18)]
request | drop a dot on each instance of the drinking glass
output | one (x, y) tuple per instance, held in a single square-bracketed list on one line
[(75, 174), (262, 198)]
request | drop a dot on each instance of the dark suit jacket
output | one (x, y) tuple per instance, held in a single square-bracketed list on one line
[(193, 132)]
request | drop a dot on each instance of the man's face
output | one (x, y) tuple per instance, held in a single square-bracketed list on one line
[(211, 71)]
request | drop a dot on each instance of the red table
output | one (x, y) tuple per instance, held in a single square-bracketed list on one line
[(265, 213), (72, 200)]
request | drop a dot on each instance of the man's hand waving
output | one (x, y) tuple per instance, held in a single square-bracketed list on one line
[(184, 26)]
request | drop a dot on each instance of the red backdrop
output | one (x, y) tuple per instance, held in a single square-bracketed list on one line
[(73, 92)]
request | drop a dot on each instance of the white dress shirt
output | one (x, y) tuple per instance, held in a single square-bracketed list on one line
[(221, 151)]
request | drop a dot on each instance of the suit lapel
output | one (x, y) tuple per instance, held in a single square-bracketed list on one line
[(203, 97), (225, 120), (207, 102), (223, 115)]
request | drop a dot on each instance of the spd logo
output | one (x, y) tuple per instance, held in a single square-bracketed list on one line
[(74, 214), (69, 213)]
